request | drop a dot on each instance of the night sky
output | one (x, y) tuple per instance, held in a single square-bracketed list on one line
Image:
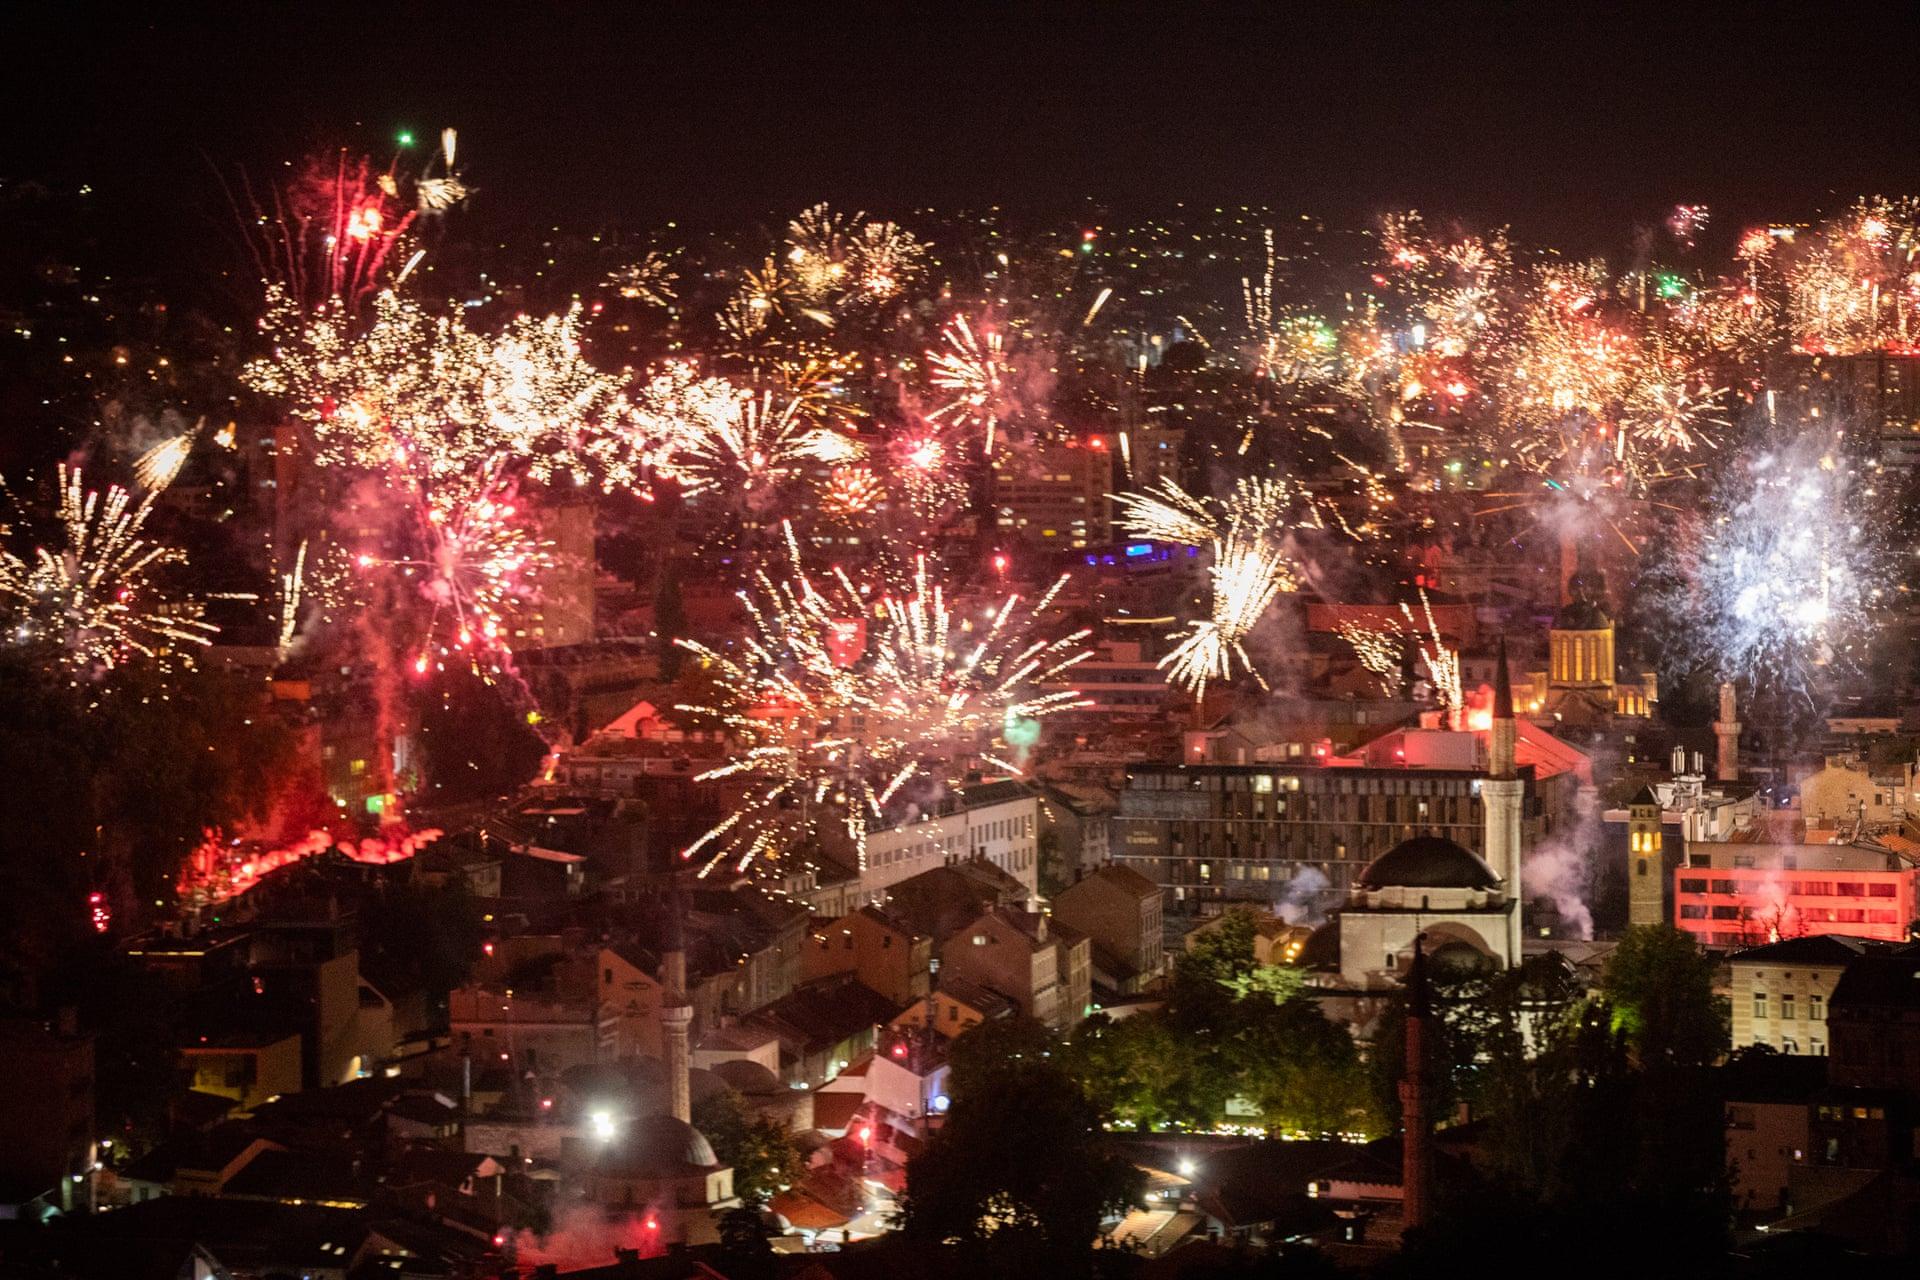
[(1571, 128)]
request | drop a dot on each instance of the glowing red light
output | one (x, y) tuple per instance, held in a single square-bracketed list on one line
[(652, 1223), (900, 1051)]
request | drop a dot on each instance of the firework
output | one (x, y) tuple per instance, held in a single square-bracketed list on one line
[(432, 398), (850, 493), (160, 466), (1379, 651), (94, 600), (1788, 566), (1249, 531), (221, 868), (650, 280), (474, 567), (328, 236), (839, 703), (834, 259), (1442, 663), (972, 366), (1246, 575), (752, 445)]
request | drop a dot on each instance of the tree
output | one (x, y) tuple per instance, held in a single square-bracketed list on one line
[(1138, 1071), (982, 1059), (1301, 1071), (1019, 1180), (1660, 987), (760, 1151)]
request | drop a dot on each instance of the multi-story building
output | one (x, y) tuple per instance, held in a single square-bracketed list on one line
[(1056, 496), (535, 1031), (1781, 991), (997, 821), (1851, 794), (879, 949), (1119, 910), (563, 612), (1014, 954), (1119, 681), (1745, 894), (1298, 833)]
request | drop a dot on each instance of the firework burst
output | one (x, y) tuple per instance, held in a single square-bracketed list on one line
[(93, 600), (840, 702), (971, 365)]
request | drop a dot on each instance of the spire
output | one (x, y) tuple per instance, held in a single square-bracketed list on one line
[(676, 1013), (1502, 686)]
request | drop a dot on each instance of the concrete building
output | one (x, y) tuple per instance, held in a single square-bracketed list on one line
[(1743, 894), (1120, 912), (1851, 796), (997, 821), (1298, 834), (1780, 992), (1055, 496), (248, 1066), (537, 1031), (1019, 955), (1427, 888)]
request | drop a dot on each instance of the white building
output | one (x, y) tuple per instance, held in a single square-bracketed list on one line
[(998, 821)]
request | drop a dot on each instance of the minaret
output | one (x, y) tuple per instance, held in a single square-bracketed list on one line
[(1501, 795), (1726, 732), (1416, 1119), (676, 1015)]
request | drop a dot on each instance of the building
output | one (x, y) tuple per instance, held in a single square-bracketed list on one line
[(1120, 912), (1044, 971), (1582, 686), (540, 1031), (996, 821), (562, 614), (250, 1067), (1120, 682), (1780, 991), (1295, 836), (1055, 496), (1430, 888), (1851, 796), (954, 1007), (1743, 894), (47, 1147), (878, 949), (1874, 1020)]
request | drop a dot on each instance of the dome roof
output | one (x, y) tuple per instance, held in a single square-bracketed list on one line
[(1428, 862), (661, 1146)]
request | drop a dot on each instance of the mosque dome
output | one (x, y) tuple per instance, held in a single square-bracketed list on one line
[(1428, 862), (661, 1146)]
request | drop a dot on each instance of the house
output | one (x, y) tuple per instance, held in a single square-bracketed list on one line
[(823, 1027), (1017, 955), (954, 1007), (877, 948), (249, 1067), (940, 902), (1119, 911), (1780, 991), (1766, 1100)]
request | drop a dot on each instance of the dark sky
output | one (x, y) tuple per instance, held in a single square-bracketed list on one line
[(1568, 122)]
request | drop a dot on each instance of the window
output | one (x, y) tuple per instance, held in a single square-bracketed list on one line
[(1816, 1008), (1789, 1045), (1818, 1046), (980, 939), (1786, 1006), (1693, 886), (1759, 1004)]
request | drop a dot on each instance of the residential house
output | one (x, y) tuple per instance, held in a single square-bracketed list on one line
[(1119, 911), (879, 949)]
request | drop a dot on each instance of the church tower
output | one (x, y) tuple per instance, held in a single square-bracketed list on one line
[(1646, 861), (1580, 642), (1501, 796)]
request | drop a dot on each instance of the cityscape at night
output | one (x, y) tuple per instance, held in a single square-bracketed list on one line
[(822, 642)]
